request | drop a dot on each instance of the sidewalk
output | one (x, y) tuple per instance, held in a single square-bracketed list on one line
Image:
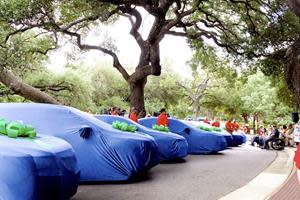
[(290, 189), (269, 181)]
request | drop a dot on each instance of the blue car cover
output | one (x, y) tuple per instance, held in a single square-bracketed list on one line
[(199, 141), (228, 137), (103, 153), (170, 146), (43, 168), (238, 138)]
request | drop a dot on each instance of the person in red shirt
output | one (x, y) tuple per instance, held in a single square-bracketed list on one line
[(114, 111), (162, 119), (235, 125), (133, 115), (297, 161), (216, 123), (229, 126), (206, 121)]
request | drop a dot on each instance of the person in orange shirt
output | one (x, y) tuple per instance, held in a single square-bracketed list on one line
[(229, 126), (162, 119), (235, 125), (133, 115), (216, 123)]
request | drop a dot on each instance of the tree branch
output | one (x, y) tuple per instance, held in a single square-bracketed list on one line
[(135, 25)]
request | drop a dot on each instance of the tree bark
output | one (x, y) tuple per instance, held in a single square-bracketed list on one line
[(292, 62), (19, 87), (137, 96), (245, 117), (292, 69), (196, 109), (254, 127)]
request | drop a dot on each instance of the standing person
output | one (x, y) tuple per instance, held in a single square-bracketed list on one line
[(216, 123), (206, 120), (235, 125), (229, 126), (133, 115), (114, 111), (162, 119)]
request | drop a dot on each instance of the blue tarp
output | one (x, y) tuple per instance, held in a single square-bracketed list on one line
[(200, 142), (228, 137), (103, 153), (170, 145), (239, 138), (44, 168)]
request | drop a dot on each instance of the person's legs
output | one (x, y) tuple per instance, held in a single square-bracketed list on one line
[(266, 142), (254, 139), (261, 141), (290, 140)]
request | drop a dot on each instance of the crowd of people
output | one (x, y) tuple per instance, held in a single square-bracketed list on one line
[(261, 139), (162, 117), (265, 136), (114, 111)]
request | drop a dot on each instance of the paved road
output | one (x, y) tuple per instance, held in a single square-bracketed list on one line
[(201, 177)]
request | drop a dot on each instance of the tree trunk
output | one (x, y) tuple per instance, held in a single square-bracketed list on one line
[(245, 117), (292, 69), (292, 63), (28, 92), (196, 109), (254, 129), (137, 96)]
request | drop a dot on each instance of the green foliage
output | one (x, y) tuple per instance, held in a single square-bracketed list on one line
[(160, 128), (216, 129), (109, 88), (123, 126)]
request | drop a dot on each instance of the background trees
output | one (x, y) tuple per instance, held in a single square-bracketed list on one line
[(232, 25), (227, 37)]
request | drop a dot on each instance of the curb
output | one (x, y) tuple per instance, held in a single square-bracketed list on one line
[(267, 182)]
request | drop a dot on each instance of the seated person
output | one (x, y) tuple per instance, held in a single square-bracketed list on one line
[(162, 119), (259, 138), (274, 134), (289, 136)]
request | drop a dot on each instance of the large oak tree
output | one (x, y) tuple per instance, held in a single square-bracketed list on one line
[(235, 25)]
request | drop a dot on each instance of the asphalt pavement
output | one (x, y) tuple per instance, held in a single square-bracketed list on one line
[(200, 177)]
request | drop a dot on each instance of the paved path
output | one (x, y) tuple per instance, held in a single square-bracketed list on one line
[(200, 177), (290, 190)]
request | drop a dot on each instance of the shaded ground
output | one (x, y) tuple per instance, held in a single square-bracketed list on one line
[(204, 177)]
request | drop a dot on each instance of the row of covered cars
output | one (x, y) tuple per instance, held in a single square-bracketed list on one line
[(73, 146)]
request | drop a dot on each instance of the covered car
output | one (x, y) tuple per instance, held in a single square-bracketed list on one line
[(228, 137), (44, 167), (103, 153), (238, 137), (200, 142), (170, 146)]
